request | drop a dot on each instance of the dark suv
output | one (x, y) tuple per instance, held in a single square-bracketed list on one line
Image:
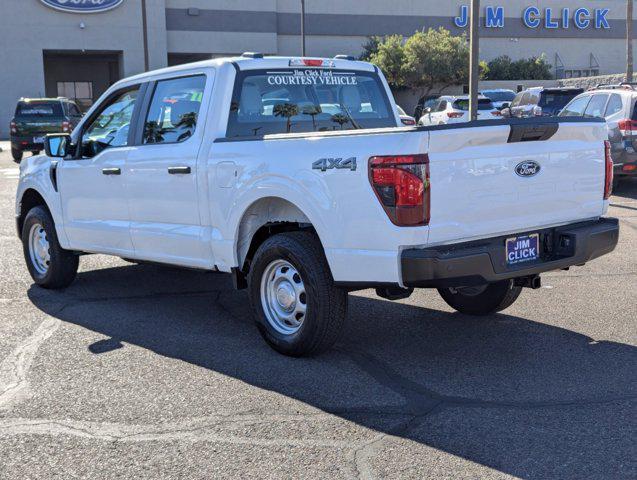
[(35, 117), (540, 102)]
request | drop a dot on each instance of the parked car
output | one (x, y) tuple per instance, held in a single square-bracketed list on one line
[(404, 118), (617, 104), (450, 109), (185, 166), (35, 117), (500, 97), (540, 101), (428, 101)]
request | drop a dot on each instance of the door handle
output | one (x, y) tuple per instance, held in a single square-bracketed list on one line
[(111, 171), (179, 170)]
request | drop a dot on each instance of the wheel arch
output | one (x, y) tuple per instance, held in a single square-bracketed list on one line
[(29, 199)]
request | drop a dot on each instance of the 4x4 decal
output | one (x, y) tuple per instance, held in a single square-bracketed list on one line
[(325, 164)]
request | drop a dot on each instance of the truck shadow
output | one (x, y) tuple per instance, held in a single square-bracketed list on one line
[(626, 189), (525, 398)]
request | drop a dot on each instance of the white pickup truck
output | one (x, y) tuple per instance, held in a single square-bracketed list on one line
[(293, 175)]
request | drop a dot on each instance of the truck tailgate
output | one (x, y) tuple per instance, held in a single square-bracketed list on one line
[(491, 180)]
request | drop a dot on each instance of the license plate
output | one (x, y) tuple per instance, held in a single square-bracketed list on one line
[(523, 249), (38, 139)]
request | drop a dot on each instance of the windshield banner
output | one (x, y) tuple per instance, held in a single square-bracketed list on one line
[(311, 77)]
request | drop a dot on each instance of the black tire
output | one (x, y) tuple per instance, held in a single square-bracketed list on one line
[(495, 297), (16, 154), (35, 152), (325, 303), (63, 264)]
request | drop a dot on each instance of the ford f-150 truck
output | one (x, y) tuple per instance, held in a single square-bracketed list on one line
[(294, 175)]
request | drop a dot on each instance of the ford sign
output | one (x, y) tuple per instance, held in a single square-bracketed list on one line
[(83, 6), (527, 169)]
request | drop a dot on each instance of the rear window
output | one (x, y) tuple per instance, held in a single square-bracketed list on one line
[(483, 104), (500, 96), (307, 100), (556, 100), (39, 109)]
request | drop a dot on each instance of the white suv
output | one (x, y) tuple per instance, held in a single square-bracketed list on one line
[(450, 109)]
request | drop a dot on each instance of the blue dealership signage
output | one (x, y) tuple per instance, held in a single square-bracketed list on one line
[(82, 6), (551, 18)]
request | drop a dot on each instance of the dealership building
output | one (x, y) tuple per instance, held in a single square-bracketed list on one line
[(77, 48)]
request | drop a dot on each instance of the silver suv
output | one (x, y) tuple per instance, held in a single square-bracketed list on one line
[(616, 104)]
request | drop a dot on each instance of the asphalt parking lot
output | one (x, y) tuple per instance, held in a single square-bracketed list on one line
[(153, 372)]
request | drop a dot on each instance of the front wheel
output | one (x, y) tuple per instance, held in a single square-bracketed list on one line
[(49, 264), (298, 310), (16, 154), (481, 300)]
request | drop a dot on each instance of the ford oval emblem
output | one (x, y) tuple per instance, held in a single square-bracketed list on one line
[(82, 6), (529, 168)]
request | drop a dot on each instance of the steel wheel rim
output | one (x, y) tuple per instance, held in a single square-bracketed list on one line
[(283, 297), (39, 249)]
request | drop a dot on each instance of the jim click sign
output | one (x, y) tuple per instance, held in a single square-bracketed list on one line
[(82, 6), (534, 17)]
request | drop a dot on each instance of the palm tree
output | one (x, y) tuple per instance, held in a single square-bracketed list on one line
[(286, 110), (312, 111), (340, 119)]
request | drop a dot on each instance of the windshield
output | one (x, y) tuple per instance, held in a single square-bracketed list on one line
[(307, 100), (39, 109), (483, 104), (556, 100), (500, 96)]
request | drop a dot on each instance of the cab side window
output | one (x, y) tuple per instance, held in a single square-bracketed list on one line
[(173, 112), (111, 126), (516, 101), (442, 106)]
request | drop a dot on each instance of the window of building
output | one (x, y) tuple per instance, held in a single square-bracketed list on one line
[(172, 116), (81, 92)]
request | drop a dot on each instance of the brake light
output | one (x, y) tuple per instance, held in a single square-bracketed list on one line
[(627, 127), (496, 113), (311, 62), (13, 127), (402, 186), (66, 127), (408, 121), (455, 114), (608, 184), (629, 168)]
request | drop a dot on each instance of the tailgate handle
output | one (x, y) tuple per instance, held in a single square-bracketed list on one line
[(179, 170), (532, 133)]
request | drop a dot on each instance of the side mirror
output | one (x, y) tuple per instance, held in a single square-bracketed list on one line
[(57, 144), (506, 112)]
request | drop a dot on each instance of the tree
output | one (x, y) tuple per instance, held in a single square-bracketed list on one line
[(370, 47), (286, 110), (390, 58), (534, 68)]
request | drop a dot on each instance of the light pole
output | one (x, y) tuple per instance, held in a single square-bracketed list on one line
[(629, 40), (474, 63), (303, 28)]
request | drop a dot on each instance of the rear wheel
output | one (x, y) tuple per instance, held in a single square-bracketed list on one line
[(298, 310), (49, 264), (481, 300), (35, 152), (16, 154)]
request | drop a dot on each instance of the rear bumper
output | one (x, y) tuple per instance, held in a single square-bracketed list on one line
[(483, 261), (25, 143)]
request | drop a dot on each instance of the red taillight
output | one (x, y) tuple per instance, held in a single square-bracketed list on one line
[(629, 168), (312, 62), (455, 114), (496, 113), (408, 121), (13, 127), (401, 184), (608, 184), (627, 127), (66, 127)]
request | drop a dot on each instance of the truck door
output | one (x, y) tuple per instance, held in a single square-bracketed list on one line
[(91, 185), (161, 173)]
